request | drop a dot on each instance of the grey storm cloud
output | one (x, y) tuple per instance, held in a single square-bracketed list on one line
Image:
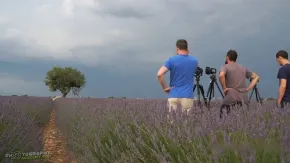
[(124, 13), (17, 50), (135, 35), (207, 25)]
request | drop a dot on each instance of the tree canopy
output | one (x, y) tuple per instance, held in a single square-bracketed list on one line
[(65, 80)]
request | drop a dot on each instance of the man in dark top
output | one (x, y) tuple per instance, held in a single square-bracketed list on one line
[(233, 80), (284, 79)]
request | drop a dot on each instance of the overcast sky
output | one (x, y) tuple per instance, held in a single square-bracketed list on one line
[(121, 44)]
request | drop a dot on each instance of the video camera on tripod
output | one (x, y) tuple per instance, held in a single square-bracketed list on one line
[(200, 90), (210, 93), (213, 81)]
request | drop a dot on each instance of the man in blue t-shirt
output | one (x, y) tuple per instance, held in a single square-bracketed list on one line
[(284, 77), (182, 68)]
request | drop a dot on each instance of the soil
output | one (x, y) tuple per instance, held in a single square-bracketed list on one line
[(54, 143)]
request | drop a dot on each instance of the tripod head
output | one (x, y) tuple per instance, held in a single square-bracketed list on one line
[(213, 77), (197, 78), (198, 74), (212, 72)]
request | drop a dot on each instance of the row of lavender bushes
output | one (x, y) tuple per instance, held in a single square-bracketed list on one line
[(22, 120), (139, 131)]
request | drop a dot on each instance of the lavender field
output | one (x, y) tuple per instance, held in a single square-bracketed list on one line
[(22, 120), (138, 131), (124, 130)]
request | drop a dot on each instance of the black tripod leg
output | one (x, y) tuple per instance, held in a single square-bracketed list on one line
[(252, 93), (259, 98), (220, 90), (202, 93), (210, 89), (198, 91), (198, 95), (212, 92)]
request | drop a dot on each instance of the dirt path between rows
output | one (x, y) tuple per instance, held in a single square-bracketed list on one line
[(53, 143)]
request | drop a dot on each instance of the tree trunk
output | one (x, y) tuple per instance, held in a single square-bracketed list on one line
[(64, 95)]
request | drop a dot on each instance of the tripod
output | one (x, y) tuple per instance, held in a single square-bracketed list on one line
[(210, 91), (258, 97), (200, 90)]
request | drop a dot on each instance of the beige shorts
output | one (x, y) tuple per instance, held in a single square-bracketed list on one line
[(186, 103)]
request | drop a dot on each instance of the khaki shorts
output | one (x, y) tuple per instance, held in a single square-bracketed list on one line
[(186, 104)]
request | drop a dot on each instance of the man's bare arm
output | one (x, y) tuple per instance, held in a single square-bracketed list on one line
[(254, 80), (222, 77), (282, 89), (162, 71)]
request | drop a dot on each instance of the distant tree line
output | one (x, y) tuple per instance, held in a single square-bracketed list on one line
[(271, 99), (111, 97)]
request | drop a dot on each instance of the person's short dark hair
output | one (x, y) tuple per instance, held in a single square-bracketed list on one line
[(232, 55), (181, 44), (283, 54)]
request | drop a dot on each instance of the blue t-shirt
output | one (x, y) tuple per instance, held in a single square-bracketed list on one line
[(284, 73), (182, 69)]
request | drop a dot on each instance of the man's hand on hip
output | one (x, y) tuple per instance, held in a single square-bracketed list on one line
[(226, 90), (167, 90)]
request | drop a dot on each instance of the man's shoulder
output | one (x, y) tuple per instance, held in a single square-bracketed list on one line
[(285, 67), (173, 57), (281, 68), (225, 66), (193, 58), (235, 65), (177, 57), (284, 71)]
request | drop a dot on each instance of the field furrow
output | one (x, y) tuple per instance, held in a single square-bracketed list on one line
[(54, 142)]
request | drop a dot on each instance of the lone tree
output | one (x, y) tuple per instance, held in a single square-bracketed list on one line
[(65, 79)]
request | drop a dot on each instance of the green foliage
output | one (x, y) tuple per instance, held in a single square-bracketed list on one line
[(137, 143), (3, 127), (40, 119), (65, 80)]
